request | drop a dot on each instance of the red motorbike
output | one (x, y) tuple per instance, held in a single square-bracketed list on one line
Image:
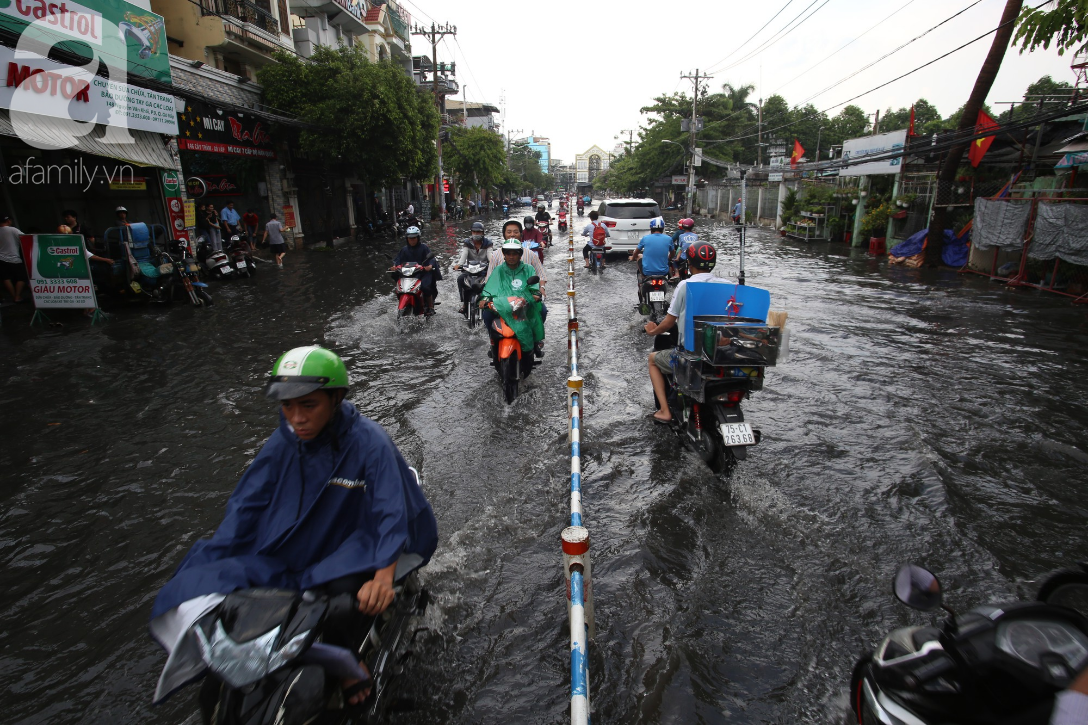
[(409, 289), (562, 220)]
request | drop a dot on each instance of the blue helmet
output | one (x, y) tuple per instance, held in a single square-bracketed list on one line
[(657, 223)]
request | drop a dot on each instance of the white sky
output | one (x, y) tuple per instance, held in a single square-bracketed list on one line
[(578, 72)]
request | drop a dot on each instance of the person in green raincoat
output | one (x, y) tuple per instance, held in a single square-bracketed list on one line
[(511, 279)]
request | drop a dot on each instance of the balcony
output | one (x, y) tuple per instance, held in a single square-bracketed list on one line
[(245, 11)]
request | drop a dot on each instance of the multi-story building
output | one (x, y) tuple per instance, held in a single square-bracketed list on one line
[(591, 163), (541, 145), (472, 115)]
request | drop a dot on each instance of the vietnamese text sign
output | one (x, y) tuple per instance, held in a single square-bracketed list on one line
[(855, 150), (680, 180), (128, 38), (203, 127), (40, 86), (774, 176), (58, 270)]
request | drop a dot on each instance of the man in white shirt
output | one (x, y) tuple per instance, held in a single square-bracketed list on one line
[(12, 268), (701, 257)]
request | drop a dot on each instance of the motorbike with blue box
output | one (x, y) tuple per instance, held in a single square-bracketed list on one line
[(142, 270), (727, 349)]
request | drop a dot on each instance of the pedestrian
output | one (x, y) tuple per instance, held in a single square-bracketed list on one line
[(215, 232), (231, 220), (12, 267), (71, 220), (273, 234), (736, 212), (251, 221)]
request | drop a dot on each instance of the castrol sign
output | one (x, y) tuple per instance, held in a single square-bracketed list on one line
[(69, 18), (59, 273)]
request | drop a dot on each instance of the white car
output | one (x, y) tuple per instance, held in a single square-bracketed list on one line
[(628, 221)]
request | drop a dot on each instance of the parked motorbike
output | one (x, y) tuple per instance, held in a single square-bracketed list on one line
[(142, 270), (477, 277), (404, 220), (409, 289), (187, 274), (545, 231), (267, 661), (998, 663), (510, 362), (651, 296), (239, 249), (596, 258), (562, 223), (218, 264)]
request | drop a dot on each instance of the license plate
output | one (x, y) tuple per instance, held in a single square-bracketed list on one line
[(738, 434), (240, 265), (657, 296), (634, 235)]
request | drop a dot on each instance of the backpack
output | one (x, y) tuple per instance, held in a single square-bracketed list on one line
[(600, 233)]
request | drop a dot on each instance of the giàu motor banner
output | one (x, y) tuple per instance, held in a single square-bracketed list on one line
[(60, 275)]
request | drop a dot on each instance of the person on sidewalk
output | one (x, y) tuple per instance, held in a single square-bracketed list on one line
[(736, 212), (273, 236), (250, 221), (12, 267), (232, 220)]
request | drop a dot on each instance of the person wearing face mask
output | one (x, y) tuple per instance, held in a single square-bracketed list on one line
[(475, 249)]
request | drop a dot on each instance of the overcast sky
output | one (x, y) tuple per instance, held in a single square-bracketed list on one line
[(578, 72)]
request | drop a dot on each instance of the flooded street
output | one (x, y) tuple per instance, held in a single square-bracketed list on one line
[(923, 415)]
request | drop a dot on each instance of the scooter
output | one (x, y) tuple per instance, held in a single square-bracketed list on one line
[(506, 354), (998, 663), (651, 296), (217, 264), (187, 274), (562, 223), (505, 209), (142, 269), (266, 661), (545, 231), (596, 258), (244, 266), (581, 209), (477, 277), (409, 289)]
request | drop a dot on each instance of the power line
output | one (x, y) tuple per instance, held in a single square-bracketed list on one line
[(795, 23), (753, 36)]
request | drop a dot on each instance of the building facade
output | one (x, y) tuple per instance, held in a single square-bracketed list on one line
[(591, 163)]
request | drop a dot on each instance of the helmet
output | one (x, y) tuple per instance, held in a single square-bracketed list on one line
[(657, 223), (121, 208), (303, 370), (508, 222), (235, 239), (687, 223), (477, 226), (411, 232), (512, 245), (702, 255), (529, 221)]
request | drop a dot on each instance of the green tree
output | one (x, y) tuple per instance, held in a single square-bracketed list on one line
[(850, 122), (525, 167), (476, 157), (1064, 22), (369, 115), (924, 113)]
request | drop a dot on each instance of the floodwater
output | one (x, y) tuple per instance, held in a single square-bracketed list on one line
[(922, 416)]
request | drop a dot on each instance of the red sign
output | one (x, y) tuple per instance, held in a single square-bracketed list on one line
[(289, 216), (204, 127), (223, 148), (211, 185)]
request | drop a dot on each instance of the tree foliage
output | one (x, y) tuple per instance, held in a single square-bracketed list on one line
[(476, 157), (372, 116), (1063, 22)]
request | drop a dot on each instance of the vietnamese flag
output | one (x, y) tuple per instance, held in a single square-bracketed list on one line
[(798, 152), (980, 146)]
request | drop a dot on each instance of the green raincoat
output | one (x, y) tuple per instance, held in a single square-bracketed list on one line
[(505, 283)]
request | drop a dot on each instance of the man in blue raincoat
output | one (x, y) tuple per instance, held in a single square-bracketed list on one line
[(328, 502)]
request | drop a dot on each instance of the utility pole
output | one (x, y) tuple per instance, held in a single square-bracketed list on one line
[(434, 35), (759, 135), (691, 141)]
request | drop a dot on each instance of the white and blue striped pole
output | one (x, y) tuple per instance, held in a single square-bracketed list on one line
[(576, 567)]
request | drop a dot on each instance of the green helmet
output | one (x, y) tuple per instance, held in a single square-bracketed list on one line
[(303, 370)]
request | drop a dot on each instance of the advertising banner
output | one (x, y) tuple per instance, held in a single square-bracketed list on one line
[(40, 86), (175, 205), (198, 187), (58, 270), (855, 150), (680, 180), (128, 38), (203, 127)]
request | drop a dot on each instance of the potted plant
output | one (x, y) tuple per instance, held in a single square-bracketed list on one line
[(875, 222), (835, 227)]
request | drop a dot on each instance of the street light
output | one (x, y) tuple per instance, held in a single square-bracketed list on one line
[(818, 132), (630, 137)]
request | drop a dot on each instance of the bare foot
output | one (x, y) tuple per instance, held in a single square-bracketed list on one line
[(357, 698), (662, 418)]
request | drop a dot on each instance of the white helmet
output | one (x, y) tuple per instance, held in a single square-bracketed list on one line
[(411, 232), (512, 245), (121, 208)]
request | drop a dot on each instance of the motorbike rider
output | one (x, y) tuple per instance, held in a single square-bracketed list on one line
[(512, 271), (328, 503), (701, 256), (542, 214), (419, 253), (683, 238), (737, 212), (531, 235), (654, 251), (475, 249), (512, 230), (588, 231)]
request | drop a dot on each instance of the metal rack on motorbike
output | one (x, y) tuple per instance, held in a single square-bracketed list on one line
[(576, 561)]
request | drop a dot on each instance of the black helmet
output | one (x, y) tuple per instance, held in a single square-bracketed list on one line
[(477, 226), (529, 221), (702, 255)]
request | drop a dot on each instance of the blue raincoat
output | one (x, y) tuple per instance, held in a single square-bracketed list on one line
[(308, 512)]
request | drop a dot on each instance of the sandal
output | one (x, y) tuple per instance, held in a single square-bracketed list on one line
[(658, 421)]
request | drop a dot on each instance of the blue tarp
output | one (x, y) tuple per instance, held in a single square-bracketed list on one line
[(953, 253), (911, 246)]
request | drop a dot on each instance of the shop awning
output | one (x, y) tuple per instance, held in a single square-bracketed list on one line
[(1070, 160), (146, 149)]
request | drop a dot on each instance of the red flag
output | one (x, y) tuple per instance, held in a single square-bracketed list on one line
[(910, 130), (980, 146), (798, 152)]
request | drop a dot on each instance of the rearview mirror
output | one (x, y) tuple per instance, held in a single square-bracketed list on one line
[(533, 280), (917, 587)]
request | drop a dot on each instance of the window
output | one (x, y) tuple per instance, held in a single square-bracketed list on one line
[(594, 166), (631, 210), (583, 165)]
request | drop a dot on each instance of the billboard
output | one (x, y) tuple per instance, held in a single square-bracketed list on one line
[(855, 150), (206, 128), (58, 269)]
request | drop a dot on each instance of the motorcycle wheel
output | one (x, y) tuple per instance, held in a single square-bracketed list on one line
[(473, 314), (509, 372), (251, 269), (204, 297)]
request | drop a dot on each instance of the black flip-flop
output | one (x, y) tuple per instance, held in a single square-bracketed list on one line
[(658, 421)]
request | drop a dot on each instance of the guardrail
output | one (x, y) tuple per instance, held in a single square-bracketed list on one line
[(576, 562)]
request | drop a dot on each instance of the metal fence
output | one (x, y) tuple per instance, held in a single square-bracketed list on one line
[(242, 10)]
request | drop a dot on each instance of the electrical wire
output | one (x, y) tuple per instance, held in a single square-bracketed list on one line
[(795, 23), (752, 37)]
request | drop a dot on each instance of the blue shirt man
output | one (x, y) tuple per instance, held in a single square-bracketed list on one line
[(230, 215), (685, 240), (736, 209), (656, 249)]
